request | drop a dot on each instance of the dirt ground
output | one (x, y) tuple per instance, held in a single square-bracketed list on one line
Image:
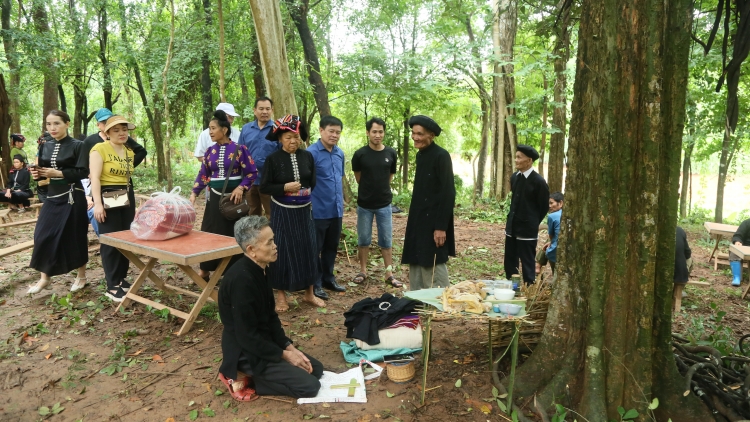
[(97, 364)]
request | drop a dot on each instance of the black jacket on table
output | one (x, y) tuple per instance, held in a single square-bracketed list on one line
[(251, 325), (742, 234), (681, 254), (431, 208), (19, 179), (139, 152), (528, 205)]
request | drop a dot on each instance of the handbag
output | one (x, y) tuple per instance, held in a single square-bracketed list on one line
[(118, 198), (229, 209)]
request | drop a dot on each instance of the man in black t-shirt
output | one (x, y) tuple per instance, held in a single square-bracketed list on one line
[(374, 166)]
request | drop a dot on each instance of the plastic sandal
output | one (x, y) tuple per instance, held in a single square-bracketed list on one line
[(393, 282), (242, 392)]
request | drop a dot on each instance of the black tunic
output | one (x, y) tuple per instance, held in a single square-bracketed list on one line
[(528, 205), (431, 209), (681, 254), (19, 179), (742, 234), (278, 171), (251, 325)]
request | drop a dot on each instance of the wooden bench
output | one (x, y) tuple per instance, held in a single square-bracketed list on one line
[(723, 259), (5, 216), (717, 231), (16, 248), (18, 223)]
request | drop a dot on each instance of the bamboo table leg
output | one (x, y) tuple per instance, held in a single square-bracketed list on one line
[(207, 291), (426, 340), (489, 329), (513, 362), (138, 282)]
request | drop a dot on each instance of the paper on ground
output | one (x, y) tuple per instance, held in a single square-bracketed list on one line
[(328, 395)]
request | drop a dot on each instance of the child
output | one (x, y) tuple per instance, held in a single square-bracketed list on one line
[(548, 253)]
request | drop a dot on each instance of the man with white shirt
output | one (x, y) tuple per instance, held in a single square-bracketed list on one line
[(528, 205), (204, 139)]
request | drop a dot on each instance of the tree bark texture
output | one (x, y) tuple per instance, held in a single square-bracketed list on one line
[(273, 58), (222, 80), (49, 96), (484, 103), (106, 74), (556, 158), (740, 51), (298, 10), (63, 100), (207, 101), (258, 82), (5, 124), (606, 342), (543, 144), (686, 176), (14, 81), (165, 98), (405, 157), (503, 94)]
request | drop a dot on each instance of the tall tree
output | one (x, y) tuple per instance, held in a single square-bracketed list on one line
[(165, 98), (272, 50), (5, 124), (258, 83), (607, 339), (207, 102), (731, 71), (222, 78), (103, 39), (11, 57), (51, 78), (543, 144), (556, 160)]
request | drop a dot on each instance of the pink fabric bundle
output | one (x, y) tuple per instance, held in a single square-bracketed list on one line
[(409, 321), (164, 216)]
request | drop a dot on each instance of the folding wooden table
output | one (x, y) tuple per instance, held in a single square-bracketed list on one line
[(717, 231), (744, 253), (184, 251)]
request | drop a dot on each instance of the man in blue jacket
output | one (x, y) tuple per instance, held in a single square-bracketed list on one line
[(253, 136), (328, 202)]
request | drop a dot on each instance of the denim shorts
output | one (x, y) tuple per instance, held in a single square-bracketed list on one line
[(384, 220)]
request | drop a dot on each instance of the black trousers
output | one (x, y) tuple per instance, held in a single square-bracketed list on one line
[(283, 379), (328, 232), (115, 264), (523, 250), (16, 197)]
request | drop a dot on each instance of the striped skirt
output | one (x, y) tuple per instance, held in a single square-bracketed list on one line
[(294, 233)]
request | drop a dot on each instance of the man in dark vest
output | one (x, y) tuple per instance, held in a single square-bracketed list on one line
[(429, 238), (528, 205)]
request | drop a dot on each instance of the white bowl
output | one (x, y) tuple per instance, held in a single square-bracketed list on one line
[(510, 309), (504, 294)]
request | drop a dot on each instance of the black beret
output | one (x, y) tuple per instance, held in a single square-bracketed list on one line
[(528, 151), (426, 123), (19, 157)]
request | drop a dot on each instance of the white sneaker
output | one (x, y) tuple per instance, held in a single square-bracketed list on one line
[(78, 284), (41, 284)]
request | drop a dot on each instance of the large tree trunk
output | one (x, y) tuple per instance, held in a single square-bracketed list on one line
[(272, 49), (5, 124), (165, 98), (298, 10), (14, 81), (405, 156), (606, 342), (207, 101), (51, 79), (258, 82), (484, 103), (686, 176), (222, 79), (503, 94), (730, 144), (543, 144), (63, 100), (106, 74), (556, 160)]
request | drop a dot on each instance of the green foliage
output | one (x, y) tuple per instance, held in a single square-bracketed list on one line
[(710, 331)]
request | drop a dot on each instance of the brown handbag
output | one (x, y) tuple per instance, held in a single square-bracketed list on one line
[(118, 198), (227, 207)]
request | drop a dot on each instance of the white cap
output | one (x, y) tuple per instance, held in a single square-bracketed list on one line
[(227, 108)]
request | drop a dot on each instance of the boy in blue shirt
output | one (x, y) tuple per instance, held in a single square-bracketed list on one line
[(548, 253)]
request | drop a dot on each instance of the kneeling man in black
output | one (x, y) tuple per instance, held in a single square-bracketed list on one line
[(259, 359)]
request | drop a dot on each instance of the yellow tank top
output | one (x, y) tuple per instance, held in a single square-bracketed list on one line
[(115, 168)]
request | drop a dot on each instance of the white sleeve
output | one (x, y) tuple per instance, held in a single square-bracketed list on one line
[(235, 135), (86, 186), (204, 141)]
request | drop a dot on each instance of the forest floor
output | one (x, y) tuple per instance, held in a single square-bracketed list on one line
[(97, 364)]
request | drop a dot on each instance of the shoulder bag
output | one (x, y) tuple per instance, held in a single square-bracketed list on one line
[(118, 198), (227, 208)]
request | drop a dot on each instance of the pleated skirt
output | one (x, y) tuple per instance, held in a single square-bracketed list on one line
[(60, 236), (214, 222), (294, 233)]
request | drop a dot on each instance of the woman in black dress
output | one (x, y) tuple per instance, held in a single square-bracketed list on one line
[(60, 236), (17, 190), (289, 177)]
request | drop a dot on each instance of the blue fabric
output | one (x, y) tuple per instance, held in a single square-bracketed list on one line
[(736, 272), (254, 139), (328, 195), (353, 354), (92, 220), (553, 228), (384, 220)]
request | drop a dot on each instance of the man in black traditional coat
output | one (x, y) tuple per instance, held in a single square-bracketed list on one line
[(429, 238), (528, 205)]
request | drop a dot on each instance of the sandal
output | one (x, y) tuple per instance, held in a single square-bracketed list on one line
[(239, 389), (41, 284), (394, 282), (78, 284), (315, 301), (361, 277)]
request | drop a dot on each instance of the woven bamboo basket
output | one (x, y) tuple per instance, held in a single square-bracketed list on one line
[(537, 301), (401, 372)]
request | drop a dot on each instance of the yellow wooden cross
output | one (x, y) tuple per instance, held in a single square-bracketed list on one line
[(352, 386)]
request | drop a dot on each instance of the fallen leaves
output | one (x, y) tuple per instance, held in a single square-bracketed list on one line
[(43, 348), (157, 359), (138, 353)]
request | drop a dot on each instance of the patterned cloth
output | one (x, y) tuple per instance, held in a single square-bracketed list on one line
[(409, 321), (216, 163)]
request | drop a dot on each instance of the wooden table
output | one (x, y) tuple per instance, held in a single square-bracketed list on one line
[(184, 251), (744, 253), (717, 231)]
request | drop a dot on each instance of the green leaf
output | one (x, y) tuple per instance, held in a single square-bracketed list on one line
[(654, 404), (502, 406), (159, 393), (458, 383), (208, 412), (226, 404), (621, 410), (495, 392), (322, 310), (389, 394), (44, 411), (218, 393), (193, 415), (307, 417), (57, 408), (630, 414)]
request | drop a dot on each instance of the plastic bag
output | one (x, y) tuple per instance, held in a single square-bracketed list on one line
[(164, 216)]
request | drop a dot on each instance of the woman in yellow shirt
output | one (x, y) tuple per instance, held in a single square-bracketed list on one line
[(111, 163)]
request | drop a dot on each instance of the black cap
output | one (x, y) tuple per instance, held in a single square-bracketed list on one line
[(426, 123), (528, 151)]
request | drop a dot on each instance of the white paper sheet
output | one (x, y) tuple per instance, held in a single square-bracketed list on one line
[(328, 395)]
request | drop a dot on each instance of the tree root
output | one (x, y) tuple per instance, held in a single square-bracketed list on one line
[(502, 390)]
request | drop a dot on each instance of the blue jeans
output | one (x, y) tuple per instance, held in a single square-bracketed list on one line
[(92, 220), (384, 220)]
